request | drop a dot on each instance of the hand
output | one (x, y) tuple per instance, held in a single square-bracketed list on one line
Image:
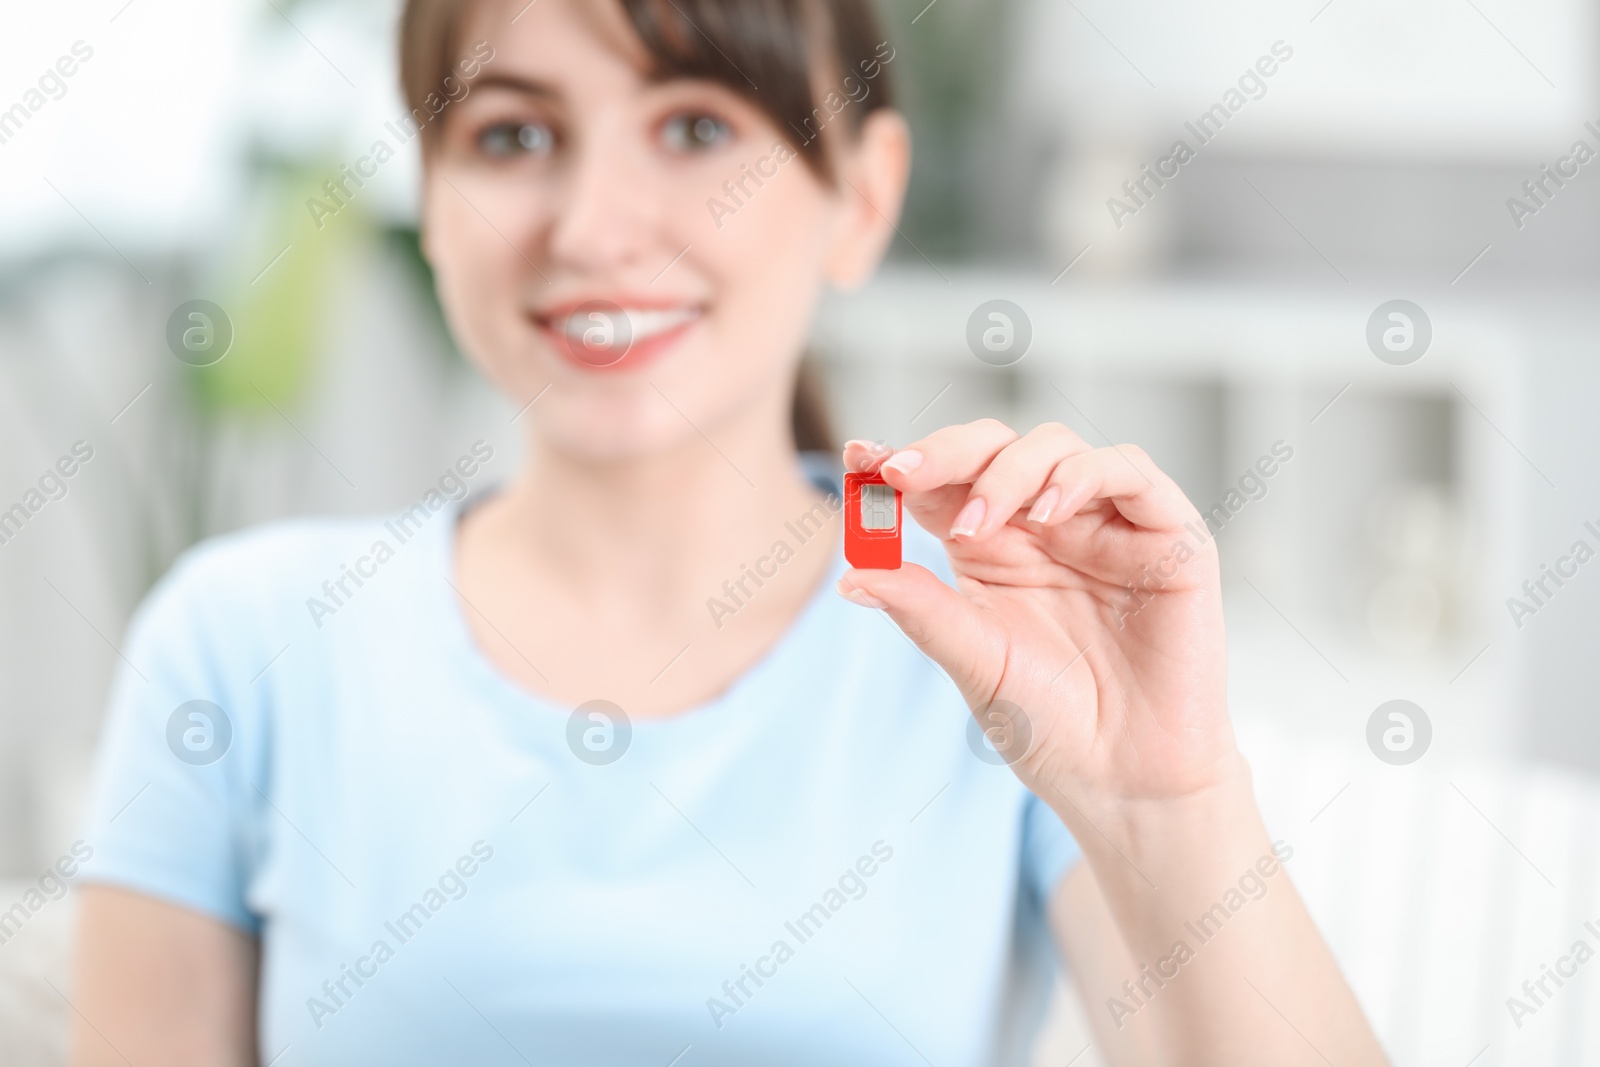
[(1087, 595)]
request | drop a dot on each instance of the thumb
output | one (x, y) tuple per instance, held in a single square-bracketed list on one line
[(940, 621)]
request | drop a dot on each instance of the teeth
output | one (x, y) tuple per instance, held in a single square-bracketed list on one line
[(599, 329)]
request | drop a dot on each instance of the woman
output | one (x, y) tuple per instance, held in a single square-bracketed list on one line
[(596, 768)]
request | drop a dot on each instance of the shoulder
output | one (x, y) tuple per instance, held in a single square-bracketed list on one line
[(256, 564), (253, 579)]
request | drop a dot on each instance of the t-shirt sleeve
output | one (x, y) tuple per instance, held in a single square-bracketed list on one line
[(1048, 849), (170, 803)]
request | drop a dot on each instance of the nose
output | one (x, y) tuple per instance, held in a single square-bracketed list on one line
[(607, 210)]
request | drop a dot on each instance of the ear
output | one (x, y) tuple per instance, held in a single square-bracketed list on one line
[(872, 186)]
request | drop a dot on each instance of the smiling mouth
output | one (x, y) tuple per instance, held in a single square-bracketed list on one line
[(634, 323), (598, 333)]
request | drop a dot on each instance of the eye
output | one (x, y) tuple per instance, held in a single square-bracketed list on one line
[(506, 140), (695, 132)]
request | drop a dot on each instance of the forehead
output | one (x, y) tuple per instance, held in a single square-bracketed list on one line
[(566, 44)]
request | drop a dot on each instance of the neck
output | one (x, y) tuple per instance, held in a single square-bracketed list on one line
[(661, 531)]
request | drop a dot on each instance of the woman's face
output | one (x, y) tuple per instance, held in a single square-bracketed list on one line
[(580, 225)]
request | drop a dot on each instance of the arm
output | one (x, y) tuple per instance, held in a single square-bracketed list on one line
[(1087, 937), (1086, 634), (159, 983), (1266, 970)]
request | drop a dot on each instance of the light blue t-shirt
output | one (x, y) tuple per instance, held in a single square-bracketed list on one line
[(812, 868)]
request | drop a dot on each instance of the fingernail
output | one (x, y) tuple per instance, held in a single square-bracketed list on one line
[(1040, 512), (971, 517), (905, 462), (856, 595)]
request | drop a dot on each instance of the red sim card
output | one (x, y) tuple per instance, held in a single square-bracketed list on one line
[(871, 522)]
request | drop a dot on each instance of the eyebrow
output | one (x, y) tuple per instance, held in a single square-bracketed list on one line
[(512, 83), (545, 91)]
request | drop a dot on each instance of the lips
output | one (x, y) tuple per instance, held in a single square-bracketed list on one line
[(601, 333)]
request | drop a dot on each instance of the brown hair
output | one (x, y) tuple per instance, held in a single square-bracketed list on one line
[(790, 45)]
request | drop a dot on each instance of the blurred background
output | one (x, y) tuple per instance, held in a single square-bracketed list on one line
[(1229, 309)]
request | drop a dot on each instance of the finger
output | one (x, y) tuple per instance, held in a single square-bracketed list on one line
[(1019, 473), (934, 473), (865, 456), (1126, 476), (955, 455), (937, 619)]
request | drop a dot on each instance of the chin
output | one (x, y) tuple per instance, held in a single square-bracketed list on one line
[(613, 428)]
